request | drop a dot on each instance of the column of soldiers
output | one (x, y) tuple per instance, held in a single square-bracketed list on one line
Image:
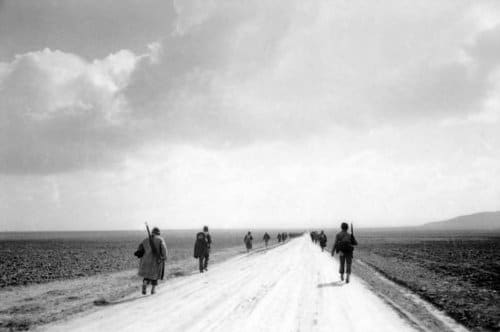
[(153, 252)]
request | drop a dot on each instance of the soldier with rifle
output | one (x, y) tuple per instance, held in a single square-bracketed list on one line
[(153, 254), (202, 246), (344, 246)]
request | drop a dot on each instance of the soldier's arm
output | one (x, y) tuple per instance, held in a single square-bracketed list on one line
[(163, 250)]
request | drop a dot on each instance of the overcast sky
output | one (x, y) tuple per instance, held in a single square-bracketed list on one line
[(247, 113)]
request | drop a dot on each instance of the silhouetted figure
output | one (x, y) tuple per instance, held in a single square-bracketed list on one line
[(202, 246), (315, 237), (248, 241), (266, 238), (322, 240), (279, 237), (152, 264), (344, 246)]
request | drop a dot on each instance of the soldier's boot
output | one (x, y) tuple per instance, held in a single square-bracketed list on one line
[(153, 289), (342, 277), (347, 278), (144, 286)]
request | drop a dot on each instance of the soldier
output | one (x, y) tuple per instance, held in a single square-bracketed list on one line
[(266, 238), (322, 240), (344, 243), (279, 237), (248, 241), (202, 248), (153, 254)]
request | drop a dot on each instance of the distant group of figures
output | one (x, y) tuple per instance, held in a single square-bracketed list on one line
[(343, 245), (153, 252)]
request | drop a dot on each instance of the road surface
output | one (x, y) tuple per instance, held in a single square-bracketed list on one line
[(293, 287)]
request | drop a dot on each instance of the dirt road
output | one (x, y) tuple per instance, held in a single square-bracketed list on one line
[(294, 287)]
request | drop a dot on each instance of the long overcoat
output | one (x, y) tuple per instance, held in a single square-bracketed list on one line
[(248, 241), (322, 240), (202, 245), (151, 266)]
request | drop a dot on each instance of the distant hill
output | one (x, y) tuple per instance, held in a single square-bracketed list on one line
[(482, 221)]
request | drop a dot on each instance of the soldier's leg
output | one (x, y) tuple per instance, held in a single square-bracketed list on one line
[(342, 265), (200, 263), (205, 263), (144, 285), (348, 267), (154, 283)]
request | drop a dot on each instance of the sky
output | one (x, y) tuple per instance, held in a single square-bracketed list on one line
[(247, 114)]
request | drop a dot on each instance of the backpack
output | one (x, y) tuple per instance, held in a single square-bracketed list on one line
[(345, 244), (139, 252)]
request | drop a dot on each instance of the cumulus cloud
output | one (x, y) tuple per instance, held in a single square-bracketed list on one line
[(60, 111), (228, 73)]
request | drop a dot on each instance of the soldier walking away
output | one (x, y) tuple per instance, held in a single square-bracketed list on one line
[(202, 246), (279, 237), (344, 246), (315, 237), (322, 240), (248, 241), (153, 254), (266, 238)]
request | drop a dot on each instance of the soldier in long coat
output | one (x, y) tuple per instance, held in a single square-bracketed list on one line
[(202, 246), (248, 241), (266, 238), (152, 266)]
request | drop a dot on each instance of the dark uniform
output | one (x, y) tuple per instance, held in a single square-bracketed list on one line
[(248, 241), (344, 246), (202, 249), (266, 238), (322, 240)]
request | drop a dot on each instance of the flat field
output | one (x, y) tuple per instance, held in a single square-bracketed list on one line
[(28, 258), (457, 272), (50, 276)]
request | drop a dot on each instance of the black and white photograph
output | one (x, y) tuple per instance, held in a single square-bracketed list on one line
[(250, 165)]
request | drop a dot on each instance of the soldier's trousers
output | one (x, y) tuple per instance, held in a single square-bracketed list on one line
[(147, 281), (345, 264), (203, 260)]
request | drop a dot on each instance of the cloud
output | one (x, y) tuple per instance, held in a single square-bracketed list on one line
[(455, 88), (61, 112), (227, 74)]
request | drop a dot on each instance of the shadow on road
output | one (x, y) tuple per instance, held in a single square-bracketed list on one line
[(331, 284), (104, 302)]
